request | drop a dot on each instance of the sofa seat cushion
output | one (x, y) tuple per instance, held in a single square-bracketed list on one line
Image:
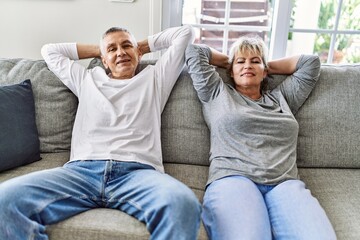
[(19, 140), (339, 194), (99, 224), (194, 176), (102, 223), (48, 160)]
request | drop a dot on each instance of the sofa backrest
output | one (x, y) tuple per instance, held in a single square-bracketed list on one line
[(185, 136), (55, 105), (328, 121)]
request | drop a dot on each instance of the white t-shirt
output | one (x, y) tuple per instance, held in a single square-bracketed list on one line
[(120, 119)]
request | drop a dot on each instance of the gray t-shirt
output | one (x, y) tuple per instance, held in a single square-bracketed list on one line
[(255, 139)]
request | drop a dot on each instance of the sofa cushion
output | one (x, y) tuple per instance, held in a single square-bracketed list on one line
[(55, 104), (103, 224), (48, 160), (99, 224), (194, 176), (329, 120), (339, 195), (185, 137), (19, 140)]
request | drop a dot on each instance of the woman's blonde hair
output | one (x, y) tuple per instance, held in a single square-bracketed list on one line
[(249, 43)]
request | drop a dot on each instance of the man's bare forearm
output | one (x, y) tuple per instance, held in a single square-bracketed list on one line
[(144, 47), (88, 51)]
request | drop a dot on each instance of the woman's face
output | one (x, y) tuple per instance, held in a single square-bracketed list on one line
[(248, 70)]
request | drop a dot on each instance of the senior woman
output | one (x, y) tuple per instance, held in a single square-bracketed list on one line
[(253, 190)]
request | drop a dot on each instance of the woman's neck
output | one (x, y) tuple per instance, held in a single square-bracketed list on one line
[(251, 92)]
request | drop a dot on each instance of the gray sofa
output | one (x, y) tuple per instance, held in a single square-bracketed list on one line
[(328, 146)]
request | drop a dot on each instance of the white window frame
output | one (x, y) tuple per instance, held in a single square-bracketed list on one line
[(172, 17), (333, 32), (172, 14), (280, 27)]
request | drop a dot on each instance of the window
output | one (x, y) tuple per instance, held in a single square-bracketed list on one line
[(329, 28), (220, 23)]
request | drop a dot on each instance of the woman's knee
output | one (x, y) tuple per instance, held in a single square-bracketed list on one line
[(233, 207), (295, 212)]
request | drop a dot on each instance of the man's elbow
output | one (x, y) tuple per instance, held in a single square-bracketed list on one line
[(190, 33), (44, 50)]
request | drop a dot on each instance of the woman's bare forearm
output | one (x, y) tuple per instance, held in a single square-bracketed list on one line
[(219, 59), (283, 65)]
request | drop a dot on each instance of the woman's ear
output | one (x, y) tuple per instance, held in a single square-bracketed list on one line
[(265, 73)]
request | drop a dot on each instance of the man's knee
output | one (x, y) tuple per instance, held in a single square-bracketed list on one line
[(10, 199), (9, 194), (181, 199)]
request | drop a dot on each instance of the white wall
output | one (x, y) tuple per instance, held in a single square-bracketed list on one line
[(25, 25)]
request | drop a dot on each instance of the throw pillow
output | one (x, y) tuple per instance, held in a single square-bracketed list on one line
[(19, 140)]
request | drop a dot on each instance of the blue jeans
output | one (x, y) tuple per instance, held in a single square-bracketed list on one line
[(237, 208), (169, 208)]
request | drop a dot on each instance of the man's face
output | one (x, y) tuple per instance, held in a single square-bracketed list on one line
[(120, 54)]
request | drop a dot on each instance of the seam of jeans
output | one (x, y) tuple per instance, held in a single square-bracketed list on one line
[(208, 228), (131, 202), (40, 208), (35, 230), (32, 235), (94, 198), (106, 176), (135, 205)]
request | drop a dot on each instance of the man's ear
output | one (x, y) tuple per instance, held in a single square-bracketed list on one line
[(139, 54), (104, 62)]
